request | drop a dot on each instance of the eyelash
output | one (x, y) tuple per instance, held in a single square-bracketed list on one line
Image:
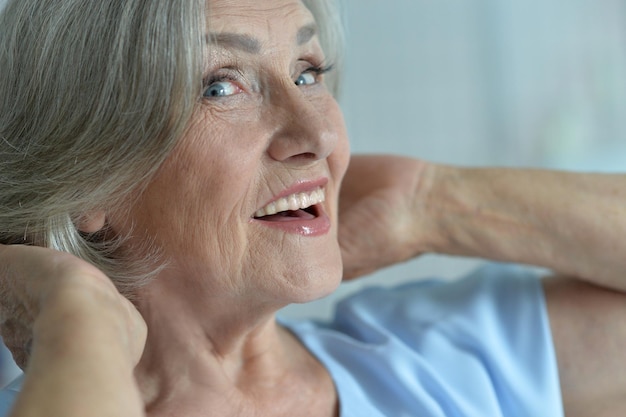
[(212, 79), (318, 70)]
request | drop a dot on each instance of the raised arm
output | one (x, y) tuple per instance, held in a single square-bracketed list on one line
[(572, 223), (87, 338)]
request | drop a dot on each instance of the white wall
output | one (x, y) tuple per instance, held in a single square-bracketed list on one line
[(486, 81)]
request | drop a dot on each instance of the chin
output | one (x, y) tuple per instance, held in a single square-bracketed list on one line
[(315, 282)]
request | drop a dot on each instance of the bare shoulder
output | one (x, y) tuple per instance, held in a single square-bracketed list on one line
[(589, 330)]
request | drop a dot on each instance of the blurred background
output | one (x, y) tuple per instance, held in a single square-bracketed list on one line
[(480, 82), (516, 82)]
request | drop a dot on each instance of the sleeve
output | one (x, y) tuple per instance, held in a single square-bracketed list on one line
[(8, 396)]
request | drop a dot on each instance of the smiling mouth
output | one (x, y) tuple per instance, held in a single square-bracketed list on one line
[(297, 206)]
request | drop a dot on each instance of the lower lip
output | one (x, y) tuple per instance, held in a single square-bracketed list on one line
[(317, 226)]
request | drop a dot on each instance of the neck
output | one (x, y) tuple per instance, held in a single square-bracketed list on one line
[(211, 356)]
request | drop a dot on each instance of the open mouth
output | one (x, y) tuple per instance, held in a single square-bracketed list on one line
[(299, 206)]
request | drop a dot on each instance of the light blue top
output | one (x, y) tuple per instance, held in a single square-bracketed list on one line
[(8, 395), (480, 346)]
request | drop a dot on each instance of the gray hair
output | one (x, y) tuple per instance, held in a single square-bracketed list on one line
[(328, 18), (93, 98)]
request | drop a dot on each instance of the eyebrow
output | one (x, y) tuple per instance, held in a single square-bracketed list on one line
[(306, 33), (251, 45), (229, 40)]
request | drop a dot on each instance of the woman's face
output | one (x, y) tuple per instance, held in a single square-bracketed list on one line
[(266, 138)]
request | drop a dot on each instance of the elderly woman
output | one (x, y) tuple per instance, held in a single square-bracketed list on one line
[(184, 158)]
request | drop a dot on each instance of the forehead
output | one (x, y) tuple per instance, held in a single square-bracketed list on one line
[(272, 16)]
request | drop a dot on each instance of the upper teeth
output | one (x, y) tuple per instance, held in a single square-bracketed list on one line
[(292, 202)]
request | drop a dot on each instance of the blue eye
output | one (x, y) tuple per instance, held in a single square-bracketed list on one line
[(221, 89), (307, 78), (312, 75)]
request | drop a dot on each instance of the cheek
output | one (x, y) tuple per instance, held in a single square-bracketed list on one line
[(196, 207), (192, 226)]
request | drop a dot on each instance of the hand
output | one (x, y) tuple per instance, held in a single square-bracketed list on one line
[(36, 282), (382, 216)]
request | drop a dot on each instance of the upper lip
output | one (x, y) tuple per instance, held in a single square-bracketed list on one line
[(301, 186)]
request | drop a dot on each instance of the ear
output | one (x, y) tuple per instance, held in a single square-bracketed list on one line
[(91, 222)]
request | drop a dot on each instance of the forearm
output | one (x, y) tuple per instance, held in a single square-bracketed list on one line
[(572, 223), (79, 367)]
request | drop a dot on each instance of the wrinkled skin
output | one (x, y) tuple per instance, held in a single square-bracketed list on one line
[(382, 214), (32, 279)]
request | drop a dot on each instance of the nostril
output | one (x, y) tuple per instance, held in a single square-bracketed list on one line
[(307, 155), (304, 158)]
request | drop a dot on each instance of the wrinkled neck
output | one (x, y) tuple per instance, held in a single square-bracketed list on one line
[(202, 350), (203, 341)]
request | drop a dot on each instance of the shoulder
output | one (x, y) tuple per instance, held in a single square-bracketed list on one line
[(493, 286), (494, 301), (480, 345)]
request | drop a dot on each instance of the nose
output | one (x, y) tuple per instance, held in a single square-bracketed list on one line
[(303, 130)]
